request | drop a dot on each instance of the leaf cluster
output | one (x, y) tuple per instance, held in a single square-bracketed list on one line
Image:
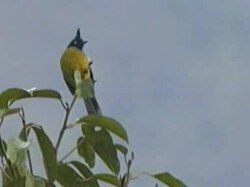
[(97, 138)]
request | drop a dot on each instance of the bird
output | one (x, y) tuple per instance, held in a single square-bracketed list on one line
[(75, 63)]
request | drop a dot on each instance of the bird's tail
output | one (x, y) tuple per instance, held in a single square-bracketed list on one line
[(92, 106)]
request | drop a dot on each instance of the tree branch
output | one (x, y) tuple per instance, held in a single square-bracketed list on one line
[(64, 126)]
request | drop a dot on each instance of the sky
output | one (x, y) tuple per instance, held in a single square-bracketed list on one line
[(174, 73)]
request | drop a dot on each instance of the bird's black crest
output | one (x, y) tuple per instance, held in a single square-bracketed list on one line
[(77, 42), (78, 33)]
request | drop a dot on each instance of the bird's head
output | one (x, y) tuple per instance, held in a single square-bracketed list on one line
[(77, 42)]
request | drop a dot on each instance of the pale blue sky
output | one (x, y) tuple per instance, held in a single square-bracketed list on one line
[(174, 73)]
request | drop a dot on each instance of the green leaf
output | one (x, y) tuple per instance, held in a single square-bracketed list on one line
[(11, 95), (167, 178), (103, 145), (85, 171), (86, 151), (9, 181), (21, 178), (122, 149), (53, 94), (48, 152), (67, 176), (32, 181), (84, 88), (19, 182), (16, 151), (3, 147), (108, 178), (105, 122), (5, 111), (14, 175), (24, 133)]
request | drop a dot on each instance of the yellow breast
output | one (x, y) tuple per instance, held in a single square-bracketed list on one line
[(74, 59)]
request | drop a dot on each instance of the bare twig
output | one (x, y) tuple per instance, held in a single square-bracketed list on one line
[(1, 122), (125, 179), (64, 126), (71, 151), (63, 105)]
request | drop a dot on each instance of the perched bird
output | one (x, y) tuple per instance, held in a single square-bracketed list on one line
[(75, 62)]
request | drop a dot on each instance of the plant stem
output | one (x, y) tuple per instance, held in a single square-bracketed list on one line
[(22, 115), (71, 151), (64, 126), (63, 105), (127, 177)]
